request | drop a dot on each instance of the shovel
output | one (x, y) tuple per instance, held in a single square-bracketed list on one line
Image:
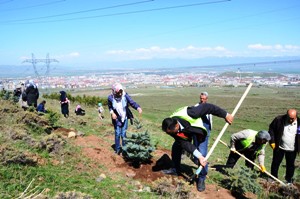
[(222, 132), (282, 183)]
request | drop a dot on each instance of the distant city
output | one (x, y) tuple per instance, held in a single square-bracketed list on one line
[(165, 77), (269, 72)]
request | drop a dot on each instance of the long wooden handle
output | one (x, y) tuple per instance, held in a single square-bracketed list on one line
[(254, 164), (225, 127)]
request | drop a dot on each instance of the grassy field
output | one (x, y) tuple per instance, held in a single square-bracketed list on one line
[(257, 111), (259, 108)]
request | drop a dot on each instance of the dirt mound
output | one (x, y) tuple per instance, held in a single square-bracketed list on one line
[(101, 152)]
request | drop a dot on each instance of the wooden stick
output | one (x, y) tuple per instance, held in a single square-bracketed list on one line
[(26, 189), (224, 128), (254, 164)]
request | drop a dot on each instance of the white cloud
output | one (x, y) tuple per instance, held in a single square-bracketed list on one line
[(273, 50), (259, 47), (73, 54), (196, 52), (188, 52)]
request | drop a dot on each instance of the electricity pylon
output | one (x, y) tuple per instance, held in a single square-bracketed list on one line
[(34, 62)]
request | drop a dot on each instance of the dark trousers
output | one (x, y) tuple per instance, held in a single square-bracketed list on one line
[(290, 157), (176, 155), (234, 157)]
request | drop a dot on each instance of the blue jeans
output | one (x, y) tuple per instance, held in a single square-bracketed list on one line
[(120, 131), (203, 150)]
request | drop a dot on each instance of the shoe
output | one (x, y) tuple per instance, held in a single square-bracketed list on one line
[(201, 185), (289, 182), (171, 171), (118, 152)]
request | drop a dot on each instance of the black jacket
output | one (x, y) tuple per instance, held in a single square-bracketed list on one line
[(32, 94), (276, 131), (184, 137)]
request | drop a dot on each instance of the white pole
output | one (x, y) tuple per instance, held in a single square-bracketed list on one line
[(254, 164), (225, 127)]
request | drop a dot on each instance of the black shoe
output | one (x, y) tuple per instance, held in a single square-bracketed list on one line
[(201, 185), (171, 171)]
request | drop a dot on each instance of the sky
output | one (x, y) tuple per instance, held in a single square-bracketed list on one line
[(94, 33)]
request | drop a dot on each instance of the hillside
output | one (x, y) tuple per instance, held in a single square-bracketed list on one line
[(34, 148)]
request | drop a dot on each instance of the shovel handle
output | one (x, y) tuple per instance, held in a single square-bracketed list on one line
[(266, 172), (225, 127)]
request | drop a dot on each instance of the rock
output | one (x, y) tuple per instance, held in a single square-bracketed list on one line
[(72, 134), (79, 133), (101, 177), (130, 174)]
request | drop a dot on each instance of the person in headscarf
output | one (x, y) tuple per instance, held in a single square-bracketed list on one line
[(118, 105), (32, 93), (79, 110), (64, 102)]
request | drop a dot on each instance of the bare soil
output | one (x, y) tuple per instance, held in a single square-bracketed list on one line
[(102, 153)]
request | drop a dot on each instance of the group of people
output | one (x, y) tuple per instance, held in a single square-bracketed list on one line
[(28, 96), (191, 126)]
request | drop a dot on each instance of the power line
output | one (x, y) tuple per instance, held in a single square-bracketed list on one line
[(127, 13), (239, 65), (38, 5), (3, 2), (80, 12)]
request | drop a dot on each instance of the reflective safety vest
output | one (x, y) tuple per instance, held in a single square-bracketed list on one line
[(249, 140), (182, 113)]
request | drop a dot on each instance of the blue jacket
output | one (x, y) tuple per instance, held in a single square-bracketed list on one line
[(126, 101), (41, 108)]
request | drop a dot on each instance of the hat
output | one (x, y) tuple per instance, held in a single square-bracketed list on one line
[(263, 135), (99, 104), (204, 93)]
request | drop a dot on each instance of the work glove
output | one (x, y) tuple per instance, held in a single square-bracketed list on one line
[(272, 146), (262, 168)]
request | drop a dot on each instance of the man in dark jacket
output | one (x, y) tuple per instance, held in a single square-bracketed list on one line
[(186, 123), (285, 141)]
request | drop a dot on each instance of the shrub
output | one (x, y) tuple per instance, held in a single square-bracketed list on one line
[(52, 117), (138, 149), (241, 180), (172, 188)]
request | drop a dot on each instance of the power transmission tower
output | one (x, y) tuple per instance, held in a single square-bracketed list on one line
[(34, 62)]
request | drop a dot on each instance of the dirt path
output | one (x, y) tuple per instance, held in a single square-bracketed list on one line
[(101, 153)]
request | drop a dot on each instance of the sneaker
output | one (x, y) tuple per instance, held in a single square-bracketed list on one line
[(171, 171), (201, 185)]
